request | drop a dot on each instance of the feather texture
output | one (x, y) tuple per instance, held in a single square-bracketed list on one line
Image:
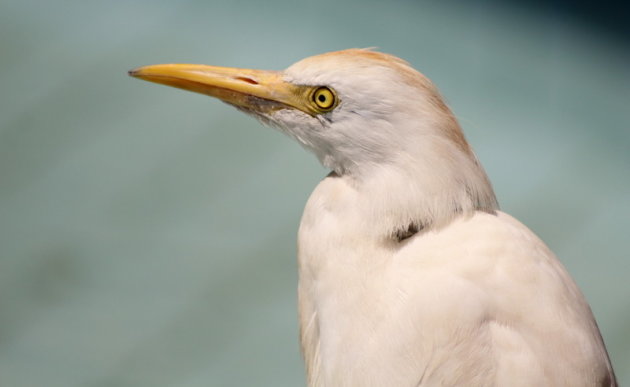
[(481, 301), (473, 298)]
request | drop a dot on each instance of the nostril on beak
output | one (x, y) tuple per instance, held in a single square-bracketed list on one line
[(247, 80)]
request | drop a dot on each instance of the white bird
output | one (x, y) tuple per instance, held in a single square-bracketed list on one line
[(409, 275)]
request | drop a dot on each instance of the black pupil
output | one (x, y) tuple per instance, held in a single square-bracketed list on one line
[(322, 98)]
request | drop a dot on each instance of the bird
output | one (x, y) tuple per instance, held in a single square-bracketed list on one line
[(409, 274)]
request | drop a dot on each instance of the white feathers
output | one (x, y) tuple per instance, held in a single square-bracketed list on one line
[(409, 274), (394, 137), (478, 302)]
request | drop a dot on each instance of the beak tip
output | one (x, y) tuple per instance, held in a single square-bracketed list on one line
[(133, 72)]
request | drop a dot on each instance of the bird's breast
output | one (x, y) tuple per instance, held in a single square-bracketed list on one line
[(355, 290), (443, 302)]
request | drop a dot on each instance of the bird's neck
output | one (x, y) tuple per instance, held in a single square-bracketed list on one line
[(420, 191), (354, 223)]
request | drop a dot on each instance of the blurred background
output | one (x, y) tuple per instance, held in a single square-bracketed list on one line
[(147, 235)]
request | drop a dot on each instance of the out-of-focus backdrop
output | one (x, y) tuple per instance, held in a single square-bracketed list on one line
[(147, 235)]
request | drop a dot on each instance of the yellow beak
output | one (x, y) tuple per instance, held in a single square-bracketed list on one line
[(257, 90)]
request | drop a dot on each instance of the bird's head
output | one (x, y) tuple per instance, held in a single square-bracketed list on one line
[(351, 108), (358, 110)]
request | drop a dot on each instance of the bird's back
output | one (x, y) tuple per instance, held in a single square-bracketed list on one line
[(480, 301)]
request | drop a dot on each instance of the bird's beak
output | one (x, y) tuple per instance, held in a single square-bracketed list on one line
[(256, 90)]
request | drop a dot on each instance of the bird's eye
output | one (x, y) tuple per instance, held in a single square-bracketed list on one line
[(324, 98)]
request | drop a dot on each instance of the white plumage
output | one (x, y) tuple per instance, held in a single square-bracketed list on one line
[(409, 275)]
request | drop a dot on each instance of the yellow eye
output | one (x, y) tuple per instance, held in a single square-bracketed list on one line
[(324, 98)]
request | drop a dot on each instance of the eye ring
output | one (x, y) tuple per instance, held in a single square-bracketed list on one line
[(324, 98)]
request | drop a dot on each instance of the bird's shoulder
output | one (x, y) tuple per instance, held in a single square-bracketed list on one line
[(493, 238), (492, 275), (496, 255)]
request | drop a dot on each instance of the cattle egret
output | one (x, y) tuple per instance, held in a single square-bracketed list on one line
[(409, 275)]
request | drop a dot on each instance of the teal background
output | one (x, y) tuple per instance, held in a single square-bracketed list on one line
[(147, 235)]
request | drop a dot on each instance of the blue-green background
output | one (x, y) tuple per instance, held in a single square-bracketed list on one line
[(147, 235)]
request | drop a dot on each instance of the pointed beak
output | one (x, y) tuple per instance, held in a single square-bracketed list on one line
[(257, 90)]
